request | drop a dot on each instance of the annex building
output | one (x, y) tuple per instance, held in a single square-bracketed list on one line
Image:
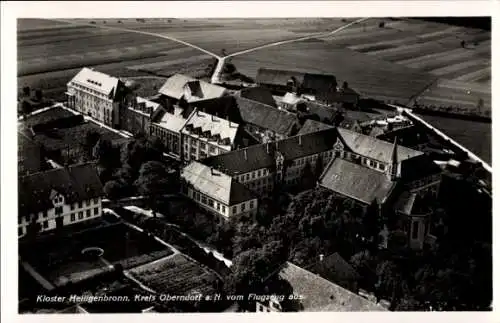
[(59, 197), (97, 95), (369, 170)]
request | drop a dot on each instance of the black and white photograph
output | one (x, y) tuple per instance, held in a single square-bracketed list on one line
[(252, 164)]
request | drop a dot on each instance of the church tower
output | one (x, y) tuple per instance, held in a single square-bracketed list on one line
[(394, 169)]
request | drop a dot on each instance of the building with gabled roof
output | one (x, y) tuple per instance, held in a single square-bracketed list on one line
[(266, 121), (205, 135), (259, 94), (312, 293), (217, 192), (369, 170), (97, 95), (59, 197), (180, 86), (337, 270), (313, 126), (278, 164)]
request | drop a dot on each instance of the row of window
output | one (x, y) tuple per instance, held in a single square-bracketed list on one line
[(253, 175), (88, 214), (243, 207), (89, 90), (203, 199), (80, 204)]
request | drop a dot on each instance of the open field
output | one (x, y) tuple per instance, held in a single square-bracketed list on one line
[(233, 35), (60, 259), (473, 135), (176, 275), (51, 53), (432, 48)]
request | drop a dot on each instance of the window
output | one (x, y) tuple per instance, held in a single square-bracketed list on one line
[(218, 206), (223, 209), (80, 204), (258, 173), (202, 145), (211, 203), (59, 210), (414, 231), (251, 204), (381, 166), (253, 175), (45, 224), (234, 210), (72, 217), (211, 149), (89, 213), (80, 215), (203, 199), (247, 177), (242, 207), (96, 200)]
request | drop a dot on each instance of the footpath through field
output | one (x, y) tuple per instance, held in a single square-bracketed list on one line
[(221, 60), (141, 32)]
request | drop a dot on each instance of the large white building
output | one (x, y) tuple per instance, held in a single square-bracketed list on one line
[(97, 95), (206, 135), (59, 197), (189, 89), (216, 191)]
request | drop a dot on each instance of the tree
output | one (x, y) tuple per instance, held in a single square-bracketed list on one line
[(115, 189), (26, 91), (153, 181)]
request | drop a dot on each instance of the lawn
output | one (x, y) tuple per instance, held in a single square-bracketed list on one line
[(60, 259), (176, 275)]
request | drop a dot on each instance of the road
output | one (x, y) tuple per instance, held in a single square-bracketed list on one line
[(221, 60), (215, 79)]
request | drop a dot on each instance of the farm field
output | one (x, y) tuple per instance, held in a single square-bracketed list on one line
[(51, 53), (475, 136), (176, 275), (60, 259), (463, 74), (232, 35)]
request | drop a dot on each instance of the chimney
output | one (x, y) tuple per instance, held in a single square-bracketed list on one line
[(321, 257), (245, 154), (267, 148)]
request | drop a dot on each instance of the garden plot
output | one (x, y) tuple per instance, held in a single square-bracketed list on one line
[(60, 259), (176, 275)]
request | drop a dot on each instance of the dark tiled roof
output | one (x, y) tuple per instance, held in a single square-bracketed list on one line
[(336, 269), (306, 80), (321, 295), (266, 116), (75, 183), (324, 112), (418, 167), (356, 181), (258, 94), (256, 157), (46, 116), (374, 148), (313, 126)]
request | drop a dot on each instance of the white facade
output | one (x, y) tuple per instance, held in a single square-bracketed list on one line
[(69, 213), (94, 94), (209, 203)]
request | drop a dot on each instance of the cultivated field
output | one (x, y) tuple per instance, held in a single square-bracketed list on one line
[(233, 35), (51, 53), (60, 259), (463, 73), (176, 275)]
